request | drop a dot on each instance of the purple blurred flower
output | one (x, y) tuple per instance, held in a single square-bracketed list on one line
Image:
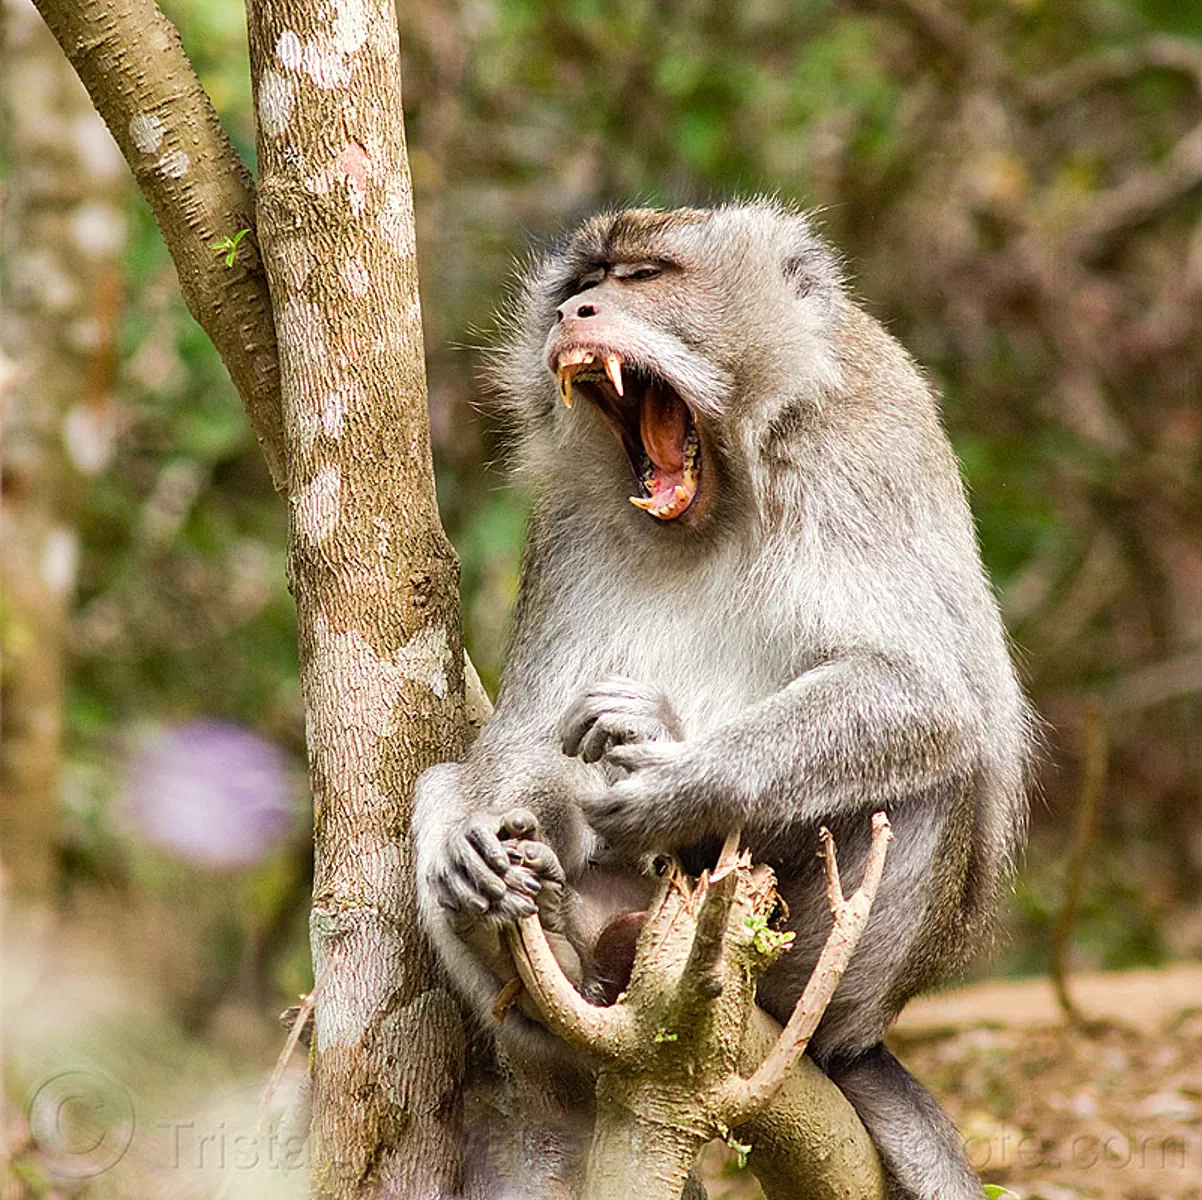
[(210, 792)]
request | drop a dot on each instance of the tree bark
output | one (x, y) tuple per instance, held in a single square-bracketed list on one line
[(64, 233), (375, 579), (129, 57)]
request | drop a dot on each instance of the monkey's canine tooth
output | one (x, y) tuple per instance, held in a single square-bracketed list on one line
[(565, 387), (613, 368), (643, 502)]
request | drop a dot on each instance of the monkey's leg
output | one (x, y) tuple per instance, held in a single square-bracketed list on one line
[(916, 1140)]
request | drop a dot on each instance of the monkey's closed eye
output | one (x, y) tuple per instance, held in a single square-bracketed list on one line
[(637, 272), (589, 280)]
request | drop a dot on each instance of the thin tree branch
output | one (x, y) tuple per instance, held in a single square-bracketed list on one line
[(946, 31), (604, 1032), (748, 1097), (300, 1018), (1140, 198), (702, 978), (129, 57), (1093, 784), (1086, 74)]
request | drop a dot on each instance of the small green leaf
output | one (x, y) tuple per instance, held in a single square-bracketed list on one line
[(229, 246), (662, 1035), (994, 1191), (766, 940), (741, 1149)]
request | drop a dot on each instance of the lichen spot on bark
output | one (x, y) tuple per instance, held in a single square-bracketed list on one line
[(317, 507), (352, 1000), (289, 50), (396, 223), (275, 103), (333, 411), (425, 658), (354, 277), (436, 1019), (325, 63), (302, 336), (354, 165), (175, 164), (146, 132), (350, 25)]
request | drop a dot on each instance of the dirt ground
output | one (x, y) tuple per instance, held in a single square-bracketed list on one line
[(1112, 1112)]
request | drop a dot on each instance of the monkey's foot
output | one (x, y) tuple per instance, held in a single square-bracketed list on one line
[(478, 878)]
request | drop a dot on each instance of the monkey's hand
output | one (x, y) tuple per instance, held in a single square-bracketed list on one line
[(616, 712), (657, 805), (502, 862), (493, 867)]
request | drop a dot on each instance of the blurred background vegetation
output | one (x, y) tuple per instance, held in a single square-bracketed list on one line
[(1015, 185)]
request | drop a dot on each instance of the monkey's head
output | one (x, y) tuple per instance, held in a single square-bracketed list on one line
[(647, 356)]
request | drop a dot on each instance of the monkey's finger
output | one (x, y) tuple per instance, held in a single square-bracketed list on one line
[(519, 879), (488, 846), (603, 735), (633, 756), (518, 823), (541, 859), (464, 861), (612, 700), (513, 906), (453, 893), (576, 722)]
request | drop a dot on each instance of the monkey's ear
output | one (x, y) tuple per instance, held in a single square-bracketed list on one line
[(812, 271)]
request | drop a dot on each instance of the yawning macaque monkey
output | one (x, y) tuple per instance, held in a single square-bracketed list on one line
[(751, 597)]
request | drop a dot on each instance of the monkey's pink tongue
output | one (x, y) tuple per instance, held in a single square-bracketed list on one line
[(670, 481), (663, 426)]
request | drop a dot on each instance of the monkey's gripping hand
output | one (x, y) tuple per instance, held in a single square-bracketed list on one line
[(497, 867), (656, 801), (616, 712)]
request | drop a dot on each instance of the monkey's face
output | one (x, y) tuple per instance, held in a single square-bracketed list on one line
[(609, 346), (671, 336)]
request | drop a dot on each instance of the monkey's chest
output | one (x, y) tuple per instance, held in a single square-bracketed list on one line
[(708, 659)]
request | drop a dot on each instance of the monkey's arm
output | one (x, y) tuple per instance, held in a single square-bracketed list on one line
[(858, 730)]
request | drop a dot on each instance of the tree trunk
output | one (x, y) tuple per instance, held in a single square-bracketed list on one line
[(64, 232), (374, 577)]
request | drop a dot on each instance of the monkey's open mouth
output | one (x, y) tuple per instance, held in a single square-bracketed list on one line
[(652, 422)]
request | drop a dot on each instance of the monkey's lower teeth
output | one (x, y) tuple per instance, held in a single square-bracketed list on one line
[(682, 494)]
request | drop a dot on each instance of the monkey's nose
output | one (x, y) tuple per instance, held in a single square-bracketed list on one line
[(575, 308)]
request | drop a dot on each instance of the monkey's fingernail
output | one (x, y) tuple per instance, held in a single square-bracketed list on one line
[(613, 368), (525, 881)]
